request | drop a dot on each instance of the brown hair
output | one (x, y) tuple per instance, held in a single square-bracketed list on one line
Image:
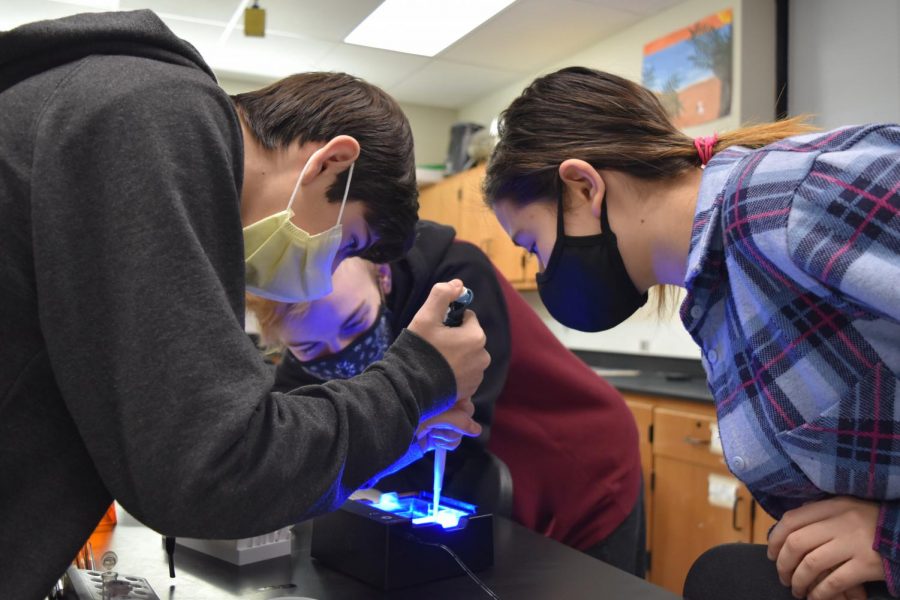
[(606, 120), (316, 107)]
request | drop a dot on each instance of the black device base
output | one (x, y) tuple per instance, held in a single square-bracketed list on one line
[(388, 551)]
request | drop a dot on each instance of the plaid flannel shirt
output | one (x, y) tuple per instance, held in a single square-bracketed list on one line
[(793, 286)]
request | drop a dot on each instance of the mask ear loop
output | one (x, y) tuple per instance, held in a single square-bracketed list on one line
[(560, 209), (604, 219), (346, 192)]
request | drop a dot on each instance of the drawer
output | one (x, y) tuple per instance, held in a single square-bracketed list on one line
[(686, 435)]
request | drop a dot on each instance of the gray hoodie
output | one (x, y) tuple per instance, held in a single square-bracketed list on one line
[(124, 369)]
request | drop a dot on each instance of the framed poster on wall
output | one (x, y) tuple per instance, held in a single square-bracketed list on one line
[(691, 69)]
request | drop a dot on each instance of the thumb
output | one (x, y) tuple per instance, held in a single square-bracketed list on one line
[(442, 294)]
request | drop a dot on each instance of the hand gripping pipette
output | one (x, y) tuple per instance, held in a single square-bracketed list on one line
[(453, 318)]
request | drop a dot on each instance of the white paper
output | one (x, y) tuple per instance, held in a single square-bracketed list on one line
[(722, 490), (715, 442)]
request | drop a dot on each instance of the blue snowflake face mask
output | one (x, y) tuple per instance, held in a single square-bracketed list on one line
[(369, 347)]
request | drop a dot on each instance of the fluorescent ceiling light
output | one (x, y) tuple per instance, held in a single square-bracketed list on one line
[(423, 27), (101, 4)]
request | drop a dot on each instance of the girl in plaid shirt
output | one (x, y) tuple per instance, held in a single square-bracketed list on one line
[(788, 244)]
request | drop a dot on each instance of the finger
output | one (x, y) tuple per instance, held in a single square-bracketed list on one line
[(821, 560), (797, 546), (466, 406), (447, 445), (799, 518), (446, 435), (847, 579), (470, 319), (857, 592), (456, 420), (442, 294)]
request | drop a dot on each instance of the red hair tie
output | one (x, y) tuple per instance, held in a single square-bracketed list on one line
[(704, 146)]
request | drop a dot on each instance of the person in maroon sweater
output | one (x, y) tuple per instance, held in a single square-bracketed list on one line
[(566, 435)]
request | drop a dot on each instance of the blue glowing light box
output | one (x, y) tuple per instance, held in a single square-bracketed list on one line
[(396, 541), (419, 508)]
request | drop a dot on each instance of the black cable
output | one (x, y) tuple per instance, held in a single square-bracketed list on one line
[(459, 561)]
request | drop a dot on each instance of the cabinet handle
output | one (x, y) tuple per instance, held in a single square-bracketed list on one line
[(695, 441), (734, 509)]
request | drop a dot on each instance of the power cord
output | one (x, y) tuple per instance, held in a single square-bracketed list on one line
[(459, 561)]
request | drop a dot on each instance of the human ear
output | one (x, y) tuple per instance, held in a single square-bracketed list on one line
[(583, 183), (383, 272), (335, 157)]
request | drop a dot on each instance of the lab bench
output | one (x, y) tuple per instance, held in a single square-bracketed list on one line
[(526, 566)]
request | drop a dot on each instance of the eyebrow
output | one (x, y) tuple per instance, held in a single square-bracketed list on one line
[(354, 315)]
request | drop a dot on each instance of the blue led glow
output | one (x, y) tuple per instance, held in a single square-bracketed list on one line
[(418, 509)]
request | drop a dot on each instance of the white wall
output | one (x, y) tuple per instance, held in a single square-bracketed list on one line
[(430, 125), (844, 61)]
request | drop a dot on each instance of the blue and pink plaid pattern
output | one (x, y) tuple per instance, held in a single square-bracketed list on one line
[(794, 298)]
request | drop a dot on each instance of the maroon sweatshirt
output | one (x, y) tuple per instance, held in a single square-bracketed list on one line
[(569, 440)]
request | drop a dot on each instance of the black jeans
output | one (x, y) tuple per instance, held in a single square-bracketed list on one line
[(742, 572), (626, 547)]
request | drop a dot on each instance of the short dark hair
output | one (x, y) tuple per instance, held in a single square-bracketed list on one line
[(316, 107)]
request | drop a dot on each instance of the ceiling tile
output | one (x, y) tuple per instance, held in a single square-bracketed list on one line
[(381, 67), (531, 34), (273, 56), (214, 10), (20, 13), (450, 85)]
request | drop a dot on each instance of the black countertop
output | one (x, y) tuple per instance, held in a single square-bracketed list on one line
[(526, 566), (660, 384), (678, 378)]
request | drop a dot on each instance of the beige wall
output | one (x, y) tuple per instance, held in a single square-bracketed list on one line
[(431, 131), (430, 125), (622, 54)]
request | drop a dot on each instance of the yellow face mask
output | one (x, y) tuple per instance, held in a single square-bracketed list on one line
[(282, 262)]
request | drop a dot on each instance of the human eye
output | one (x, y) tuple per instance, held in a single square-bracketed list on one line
[(352, 246), (306, 351)]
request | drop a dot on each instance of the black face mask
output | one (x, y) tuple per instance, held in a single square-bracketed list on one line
[(369, 347), (585, 285)]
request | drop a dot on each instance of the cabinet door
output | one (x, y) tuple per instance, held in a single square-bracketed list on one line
[(479, 226), (686, 524), (440, 203), (643, 417)]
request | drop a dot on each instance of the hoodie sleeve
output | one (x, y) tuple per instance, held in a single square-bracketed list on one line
[(289, 375), (139, 262)]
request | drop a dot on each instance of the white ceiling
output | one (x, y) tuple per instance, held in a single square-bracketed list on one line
[(304, 35)]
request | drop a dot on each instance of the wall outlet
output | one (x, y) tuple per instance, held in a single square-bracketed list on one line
[(644, 345)]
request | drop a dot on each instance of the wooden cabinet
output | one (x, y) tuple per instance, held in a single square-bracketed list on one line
[(693, 502), (457, 201), (686, 521)]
